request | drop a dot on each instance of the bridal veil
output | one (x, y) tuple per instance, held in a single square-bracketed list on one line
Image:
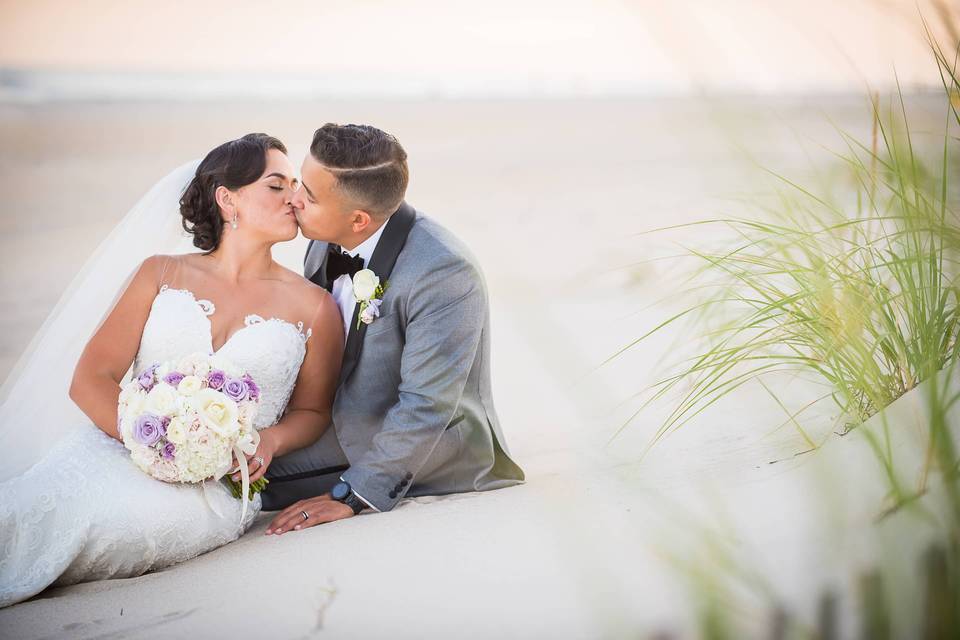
[(35, 409)]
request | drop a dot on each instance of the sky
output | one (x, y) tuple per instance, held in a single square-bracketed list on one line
[(572, 47)]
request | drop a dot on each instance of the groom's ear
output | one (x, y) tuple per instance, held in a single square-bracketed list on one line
[(361, 220)]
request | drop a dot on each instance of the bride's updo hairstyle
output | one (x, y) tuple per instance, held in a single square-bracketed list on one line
[(232, 165)]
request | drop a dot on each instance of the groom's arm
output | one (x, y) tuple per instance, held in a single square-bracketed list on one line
[(446, 313)]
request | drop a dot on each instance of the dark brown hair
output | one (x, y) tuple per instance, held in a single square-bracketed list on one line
[(233, 165), (369, 164)]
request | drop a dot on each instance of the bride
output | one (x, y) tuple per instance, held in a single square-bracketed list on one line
[(84, 511)]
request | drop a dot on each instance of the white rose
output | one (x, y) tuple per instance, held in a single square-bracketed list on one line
[(190, 385), (162, 400), (365, 283), (162, 370), (176, 431), (217, 412)]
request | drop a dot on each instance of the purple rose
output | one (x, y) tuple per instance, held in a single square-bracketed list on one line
[(146, 378), (235, 389), (173, 378), (164, 423), (146, 430), (252, 389), (168, 451), (216, 378)]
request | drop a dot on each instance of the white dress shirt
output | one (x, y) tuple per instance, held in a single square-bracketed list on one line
[(343, 286)]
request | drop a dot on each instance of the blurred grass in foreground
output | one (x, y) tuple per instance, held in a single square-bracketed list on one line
[(860, 293)]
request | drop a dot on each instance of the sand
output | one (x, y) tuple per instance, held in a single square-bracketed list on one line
[(550, 195)]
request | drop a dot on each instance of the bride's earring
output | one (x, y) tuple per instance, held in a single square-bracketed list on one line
[(233, 223)]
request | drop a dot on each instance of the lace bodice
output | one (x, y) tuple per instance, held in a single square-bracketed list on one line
[(271, 351)]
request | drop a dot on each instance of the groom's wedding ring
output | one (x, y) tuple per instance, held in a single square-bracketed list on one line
[(259, 460), (304, 514)]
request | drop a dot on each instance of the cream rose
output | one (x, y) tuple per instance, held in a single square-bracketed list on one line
[(217, 412), (190, 385), (176, 431), (162, 400), (365, 283)]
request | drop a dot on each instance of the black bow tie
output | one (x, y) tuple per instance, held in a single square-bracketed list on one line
[(341, 263)]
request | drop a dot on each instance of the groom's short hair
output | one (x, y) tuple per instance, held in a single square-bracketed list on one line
[(369, 164)]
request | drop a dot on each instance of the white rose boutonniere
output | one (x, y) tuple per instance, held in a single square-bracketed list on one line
[(368, 291)]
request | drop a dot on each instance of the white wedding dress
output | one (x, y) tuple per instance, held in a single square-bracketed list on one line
[(85, 512)]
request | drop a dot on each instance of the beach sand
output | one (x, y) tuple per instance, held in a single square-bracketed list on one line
[(550, 195)]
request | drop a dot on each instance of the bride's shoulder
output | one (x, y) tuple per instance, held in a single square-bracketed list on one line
[(153, 267), (160, 269), (309, 295), (300, 286)]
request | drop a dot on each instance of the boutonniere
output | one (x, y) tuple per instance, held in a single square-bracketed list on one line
[(369, 293)]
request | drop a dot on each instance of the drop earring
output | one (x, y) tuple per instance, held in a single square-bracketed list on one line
[(233, 223)]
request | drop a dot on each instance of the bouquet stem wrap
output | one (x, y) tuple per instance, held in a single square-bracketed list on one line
[(242, 449)]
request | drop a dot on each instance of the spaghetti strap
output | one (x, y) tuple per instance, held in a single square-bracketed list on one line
[(166, 263)]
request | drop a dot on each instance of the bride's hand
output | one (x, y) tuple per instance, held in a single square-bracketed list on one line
[(258, 462)]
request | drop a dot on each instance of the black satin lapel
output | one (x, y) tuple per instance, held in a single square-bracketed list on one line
[(381, 263)]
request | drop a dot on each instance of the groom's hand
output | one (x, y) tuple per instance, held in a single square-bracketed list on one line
[(319, 510)]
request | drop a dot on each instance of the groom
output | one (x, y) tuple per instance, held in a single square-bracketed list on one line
[(413, 413)]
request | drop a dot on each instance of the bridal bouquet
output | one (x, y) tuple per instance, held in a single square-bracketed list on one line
[(185, 421)]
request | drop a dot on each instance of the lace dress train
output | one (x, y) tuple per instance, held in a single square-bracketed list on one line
[(86, 512)]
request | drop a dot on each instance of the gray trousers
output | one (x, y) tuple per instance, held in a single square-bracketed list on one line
[(305, 473)]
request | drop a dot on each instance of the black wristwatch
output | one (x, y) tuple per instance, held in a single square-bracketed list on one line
[(342, 492)]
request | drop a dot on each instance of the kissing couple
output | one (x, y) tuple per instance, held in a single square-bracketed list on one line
[(372, 370)]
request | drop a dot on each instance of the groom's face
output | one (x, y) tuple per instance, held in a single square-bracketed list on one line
[(321, 209)]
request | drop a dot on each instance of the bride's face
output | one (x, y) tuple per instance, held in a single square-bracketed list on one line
[(264, 207)]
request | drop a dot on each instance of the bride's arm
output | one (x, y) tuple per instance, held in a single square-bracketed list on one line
[(309, 410), (107, 357)]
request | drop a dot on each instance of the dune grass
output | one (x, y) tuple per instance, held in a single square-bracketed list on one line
[(859, 293)]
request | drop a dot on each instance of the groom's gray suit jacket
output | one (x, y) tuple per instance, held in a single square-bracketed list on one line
[(414, 410)]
